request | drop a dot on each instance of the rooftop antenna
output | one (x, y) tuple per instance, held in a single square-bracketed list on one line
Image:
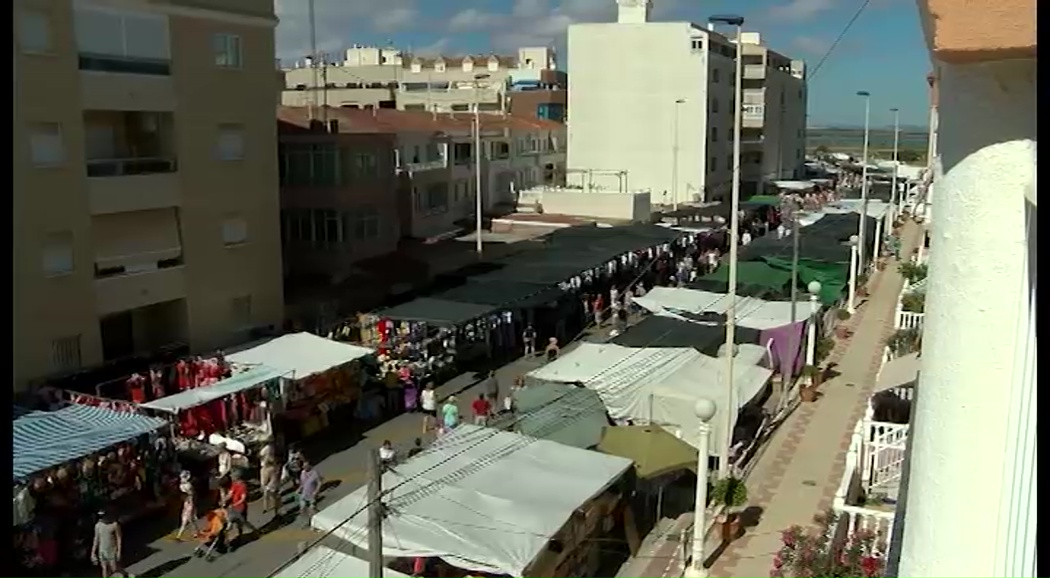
[(313, 56)]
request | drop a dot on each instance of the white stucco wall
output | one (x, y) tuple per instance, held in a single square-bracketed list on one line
[(624, 80), (971, 507), (595, 204)]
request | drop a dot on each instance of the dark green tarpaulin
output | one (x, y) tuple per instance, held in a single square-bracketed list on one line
[(754, 273), (833, 277), (771, 200)]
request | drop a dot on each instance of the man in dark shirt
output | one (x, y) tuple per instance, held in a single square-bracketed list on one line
[(529, 337)]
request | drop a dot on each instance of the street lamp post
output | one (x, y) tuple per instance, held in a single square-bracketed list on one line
[(811, 335), (705, 410), (896, 161), (674, 157), (478, 221), (734, 242), (862, 228), (854, 257)]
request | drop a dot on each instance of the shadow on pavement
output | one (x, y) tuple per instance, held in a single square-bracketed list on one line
[(166, 567)]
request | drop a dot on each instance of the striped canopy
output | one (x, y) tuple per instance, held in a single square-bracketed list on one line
[(44, 439)]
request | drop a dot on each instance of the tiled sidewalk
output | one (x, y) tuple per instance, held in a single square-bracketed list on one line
[(799, 473)]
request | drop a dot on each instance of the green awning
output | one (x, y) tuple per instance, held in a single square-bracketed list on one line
[(771, 200), (753, 273), (833, 277), (653, 449)]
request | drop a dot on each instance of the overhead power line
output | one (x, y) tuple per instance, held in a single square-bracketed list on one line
[(823, 59)]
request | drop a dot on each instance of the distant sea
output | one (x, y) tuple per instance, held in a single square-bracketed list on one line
[(853, 138)]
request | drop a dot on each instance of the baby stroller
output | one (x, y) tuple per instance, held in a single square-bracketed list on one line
[(213, 538)]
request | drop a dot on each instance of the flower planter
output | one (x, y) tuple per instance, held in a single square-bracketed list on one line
[(808, 393), (843, 332), (730, 528)]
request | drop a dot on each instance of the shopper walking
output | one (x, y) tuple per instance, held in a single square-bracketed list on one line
[(309, 488), (482, 408), (237, 505), (428, 402), (188, 515), (107, 545), (270, 481)]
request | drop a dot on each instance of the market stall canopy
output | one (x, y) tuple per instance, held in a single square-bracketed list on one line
[(560, 412), (481, 499), (502, 294), (794, 185), (45, 439), (900, 371), (436, 311), (653, 449), (754, 278), (324, 562), (299, 355), (252, 378), (750, 312), (672, 398), (659, 332), (608, 364)]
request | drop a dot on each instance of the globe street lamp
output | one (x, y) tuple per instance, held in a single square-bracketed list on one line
[(705, 410), (814, 288), (854, 247)]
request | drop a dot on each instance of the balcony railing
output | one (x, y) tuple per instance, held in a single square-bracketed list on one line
[(422, 166), (867, 495), (909, 319), (128, 167), (124, 64)]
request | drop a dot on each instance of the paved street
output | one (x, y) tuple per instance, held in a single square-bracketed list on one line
[(344, 469)]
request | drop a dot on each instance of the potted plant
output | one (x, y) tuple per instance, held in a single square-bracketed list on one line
[(731, 493), (823, 348), (817, 554), (811, 378), (842, 314), (914, 302), (862, 284), (904, 341)]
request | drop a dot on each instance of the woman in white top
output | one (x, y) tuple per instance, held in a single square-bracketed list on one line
[(189, 505), (428, 402)]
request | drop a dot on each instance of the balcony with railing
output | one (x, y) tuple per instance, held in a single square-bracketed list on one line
[(138, 259), (131, 163), (868, 493), (754, 72), (124, 60)]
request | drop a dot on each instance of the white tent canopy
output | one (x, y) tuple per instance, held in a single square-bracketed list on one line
[(251, 378), (876, 208), (299, 355), (324, 562), (898, 372), (750, 312), (660, 385), (482, 499)]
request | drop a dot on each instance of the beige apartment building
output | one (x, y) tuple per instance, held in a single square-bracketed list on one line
[(146, 207)]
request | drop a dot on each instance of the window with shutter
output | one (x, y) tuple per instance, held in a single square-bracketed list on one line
[(65, 353), (34, 32), (234, 231), (230, 146), (57, 253), (46, 148), (227, 48)]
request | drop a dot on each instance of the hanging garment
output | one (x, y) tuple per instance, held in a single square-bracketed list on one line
[(182, 375), (156, 379), (136, 388)]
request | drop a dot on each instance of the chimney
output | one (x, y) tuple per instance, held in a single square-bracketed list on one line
[(316, 125), (333, 126)]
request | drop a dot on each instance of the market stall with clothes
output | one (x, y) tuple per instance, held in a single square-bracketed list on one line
[(235, 412), (322, 380), (71, 462)]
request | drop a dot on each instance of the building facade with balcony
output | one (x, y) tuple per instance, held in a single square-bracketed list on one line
[(372, 77), (969, 493), (773, 120), (654, 100), (338, 204), (145, 190)]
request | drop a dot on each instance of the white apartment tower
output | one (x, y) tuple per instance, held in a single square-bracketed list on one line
[(655, 99)]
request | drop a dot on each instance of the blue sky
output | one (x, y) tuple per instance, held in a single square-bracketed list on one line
[(883, 52)]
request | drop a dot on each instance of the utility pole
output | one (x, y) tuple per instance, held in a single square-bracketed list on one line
[(375, 516), (794, 262), (313, 59)]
